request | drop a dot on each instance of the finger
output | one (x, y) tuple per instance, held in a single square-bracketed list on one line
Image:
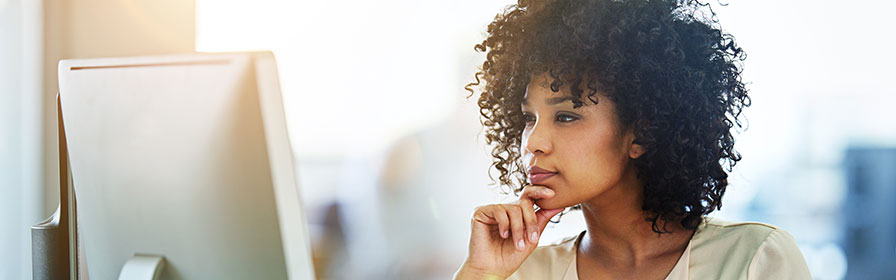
[(516, 225), (536, 192), (503, 222), (545, 215), (493, 215), (483, 215), (528, 209)]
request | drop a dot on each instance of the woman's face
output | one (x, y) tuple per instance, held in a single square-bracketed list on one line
[(579, 153)]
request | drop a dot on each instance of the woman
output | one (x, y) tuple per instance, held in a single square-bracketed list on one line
[(623, 109)]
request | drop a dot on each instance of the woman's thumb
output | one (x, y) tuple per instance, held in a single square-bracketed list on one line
[(545, 215)]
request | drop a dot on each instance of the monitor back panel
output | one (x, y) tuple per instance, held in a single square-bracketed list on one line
[(169, 157)]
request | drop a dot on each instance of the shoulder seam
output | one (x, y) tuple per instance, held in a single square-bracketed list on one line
[(742, 224), (764, 240)]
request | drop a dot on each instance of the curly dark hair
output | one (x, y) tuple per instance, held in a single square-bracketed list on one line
[(673, 74)]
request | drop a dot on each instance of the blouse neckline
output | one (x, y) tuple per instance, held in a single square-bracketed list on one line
[(678, 272)]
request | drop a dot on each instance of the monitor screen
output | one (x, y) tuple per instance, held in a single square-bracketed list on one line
[(185, 157)]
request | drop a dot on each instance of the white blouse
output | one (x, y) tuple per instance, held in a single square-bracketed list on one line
[(718, 250)]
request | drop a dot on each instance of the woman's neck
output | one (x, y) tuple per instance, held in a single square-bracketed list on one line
[(618, 230)]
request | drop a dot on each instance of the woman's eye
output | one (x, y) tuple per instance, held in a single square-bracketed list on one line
[(564, 118), (529, 117)]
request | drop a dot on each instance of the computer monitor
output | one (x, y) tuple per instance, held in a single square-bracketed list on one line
[(185, 157)]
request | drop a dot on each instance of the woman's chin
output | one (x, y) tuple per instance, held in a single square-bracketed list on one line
[(549, 203)]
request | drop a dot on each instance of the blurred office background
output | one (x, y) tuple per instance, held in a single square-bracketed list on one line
[(390, 156)]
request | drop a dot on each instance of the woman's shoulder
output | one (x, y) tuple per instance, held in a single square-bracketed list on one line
[(748, 237), (549, 261), (713, 230), (745, 250)]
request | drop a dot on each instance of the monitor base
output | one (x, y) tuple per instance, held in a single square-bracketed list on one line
[(142, 267)]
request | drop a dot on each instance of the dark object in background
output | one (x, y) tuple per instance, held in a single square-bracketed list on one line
[(869, 213)]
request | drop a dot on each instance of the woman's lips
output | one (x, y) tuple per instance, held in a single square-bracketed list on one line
[(537, 175), (538, 178)]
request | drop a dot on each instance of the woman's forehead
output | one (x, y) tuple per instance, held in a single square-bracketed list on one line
[(539, 87)]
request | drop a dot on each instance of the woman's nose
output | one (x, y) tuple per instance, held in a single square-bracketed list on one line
[(537, 140)]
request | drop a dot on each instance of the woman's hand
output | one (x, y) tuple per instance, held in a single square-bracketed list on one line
[(504, 235)]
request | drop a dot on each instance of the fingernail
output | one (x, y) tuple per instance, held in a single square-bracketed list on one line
[(504, 234), (534, 237), (548, 191), (520, 245)]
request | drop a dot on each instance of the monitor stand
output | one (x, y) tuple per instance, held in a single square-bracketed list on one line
[(142, 267), (53, 241)]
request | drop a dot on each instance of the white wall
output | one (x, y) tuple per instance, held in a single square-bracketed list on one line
[(20, 133)]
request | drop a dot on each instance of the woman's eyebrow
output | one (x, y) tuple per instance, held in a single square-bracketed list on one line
[(554, 100), (561, 99)]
